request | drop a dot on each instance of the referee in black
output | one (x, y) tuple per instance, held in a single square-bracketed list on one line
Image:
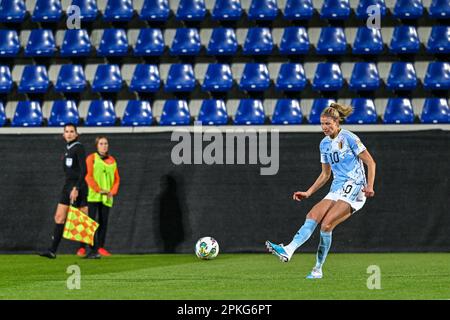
[(75, 189)]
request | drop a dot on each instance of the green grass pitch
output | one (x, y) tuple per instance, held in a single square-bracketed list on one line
[(230, 276)]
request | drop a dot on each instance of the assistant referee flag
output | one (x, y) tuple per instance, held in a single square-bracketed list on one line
[(79, 227)]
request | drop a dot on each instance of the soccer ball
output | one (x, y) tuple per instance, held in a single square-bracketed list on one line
[(207, 248)]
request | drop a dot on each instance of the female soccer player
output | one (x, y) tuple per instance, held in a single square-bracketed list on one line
[(75, 190), (343, 153), (103, 180)]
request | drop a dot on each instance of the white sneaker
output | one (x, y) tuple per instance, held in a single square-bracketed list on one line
[(315, 274)]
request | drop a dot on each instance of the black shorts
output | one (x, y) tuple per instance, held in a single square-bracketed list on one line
[(81, 199)]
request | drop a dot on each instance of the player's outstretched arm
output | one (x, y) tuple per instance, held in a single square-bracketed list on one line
[(320, 182), (366, 157)]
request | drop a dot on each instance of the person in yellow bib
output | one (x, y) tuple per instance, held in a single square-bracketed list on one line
[(103, 181)]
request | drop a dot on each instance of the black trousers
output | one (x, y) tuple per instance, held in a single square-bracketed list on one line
[(100, 213)]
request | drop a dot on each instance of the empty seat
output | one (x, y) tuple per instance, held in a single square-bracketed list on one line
[(435, 110), (437, 76), (398, 110), (364, 77), (364, 112), (317, 108), (263, 10), (298, 10), (155, 10), (328, 77), (402, 76), (34, 79), (250, 112), (335, 9), (118, 10), (2, 115), (9, 43), (76, 43), (332, 41), (137, 113), (258, 41), (113, 43), (185, 42), (408, 9), (405, 40), (40, 43), (47, 10), (213, 112), (175, 112), (191, 10), (439, 41), (107, 78), (71, 78), (12, 10), (255, 77), (368, 41), (294, 41), (223, 41), (291, 77), (27, 114), (100, 113), (218, 78), (88, 9), (150, 42), (6, 81), (181, 78), (227, 10), (63, 112), (287, 111), (145, 78), (363, 5), (439, 9)]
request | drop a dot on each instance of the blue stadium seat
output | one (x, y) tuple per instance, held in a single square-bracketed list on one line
[(398, 110), (118, 10), (435, 110), (255, 77), (101, 113), (408, 9), (113, 43), (181, 78), (155, 10), (365, 77), (361, 10), (368, 41), (328, 77), (405, 40), (291, 77), (88, 9), (223, 42), (34, 80), (6, 81), (2, 115), (47, 11), (287, 111), (437, 76), (185, 42), (150, 42), (27, 114), (258, 42), (298, 10), (107, 78), (294, 41), (263, 10), (213, 112), (12, 10), (439, 9), (145, 78), (137, 113), (40, 43), (9, 43), (218, 78), (317, 107), (191, 10), (335, 9), (175, 113), (250, 111), (439, 41), (332, 41), (71, 78), (76, 43), (63, 112), (402, 76), (225, 10), (364, 112)]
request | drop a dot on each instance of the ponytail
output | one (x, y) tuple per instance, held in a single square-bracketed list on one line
[(337, 111)]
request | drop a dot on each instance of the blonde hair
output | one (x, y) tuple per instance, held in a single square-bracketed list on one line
[(337, 111)]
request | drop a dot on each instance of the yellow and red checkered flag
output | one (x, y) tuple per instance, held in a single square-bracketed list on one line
[(79, 227)]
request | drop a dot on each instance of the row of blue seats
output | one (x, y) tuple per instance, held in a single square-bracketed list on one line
[(223, 10), (214, 112)]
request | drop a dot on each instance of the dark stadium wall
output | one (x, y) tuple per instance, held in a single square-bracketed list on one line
[(162, 207)]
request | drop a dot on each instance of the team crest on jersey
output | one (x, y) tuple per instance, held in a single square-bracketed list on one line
[(341, 143)]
